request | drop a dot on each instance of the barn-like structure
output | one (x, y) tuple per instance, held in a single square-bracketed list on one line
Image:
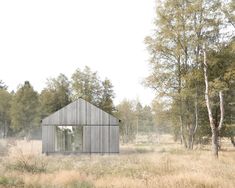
[(80, 127)]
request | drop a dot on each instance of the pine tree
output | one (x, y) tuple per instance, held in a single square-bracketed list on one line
[(107, 96), (24, 109), (5, 104)]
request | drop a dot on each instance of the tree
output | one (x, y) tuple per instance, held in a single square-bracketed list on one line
[(107, 96), (139, 115), (2, 85), (24, 109), (146, 118), (162, 117), (171, 60), (86, 84), (219, 70), (182, 27), (55, 96), (229, 11), (126, 112), (5, 104)]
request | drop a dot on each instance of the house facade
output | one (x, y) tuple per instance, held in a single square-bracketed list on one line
[(80, 127)]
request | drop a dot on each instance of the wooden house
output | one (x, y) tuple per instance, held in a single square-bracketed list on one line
[(80, 127)]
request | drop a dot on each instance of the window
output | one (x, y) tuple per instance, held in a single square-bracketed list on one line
[(68, 138)]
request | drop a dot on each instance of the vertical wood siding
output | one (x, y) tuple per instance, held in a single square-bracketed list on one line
[(48, 139), (80, 112), (101, 139), (100, 129)]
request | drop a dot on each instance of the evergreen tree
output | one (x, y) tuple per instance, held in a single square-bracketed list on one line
[(24, 109), (2, 85), (107, 96), (5, 104)]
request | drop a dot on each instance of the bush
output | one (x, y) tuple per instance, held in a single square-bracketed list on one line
[(29, 163)]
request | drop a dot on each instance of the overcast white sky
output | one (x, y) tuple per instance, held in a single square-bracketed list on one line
[(40, 39)]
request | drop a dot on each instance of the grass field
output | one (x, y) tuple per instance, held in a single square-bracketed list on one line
[(164, 164)]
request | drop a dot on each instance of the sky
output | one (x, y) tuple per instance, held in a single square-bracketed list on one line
[(40, 39)]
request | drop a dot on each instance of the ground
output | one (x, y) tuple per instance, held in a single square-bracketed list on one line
[(162, 164)]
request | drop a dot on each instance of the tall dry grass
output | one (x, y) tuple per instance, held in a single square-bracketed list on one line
[(165, 165)]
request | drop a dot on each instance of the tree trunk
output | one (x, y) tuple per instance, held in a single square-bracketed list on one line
[(191, 138), (183, 141), (193, 130), (215, 141), (214, 128), (5, 129)]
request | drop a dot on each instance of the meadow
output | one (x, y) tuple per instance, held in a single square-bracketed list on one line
[(163, 164)]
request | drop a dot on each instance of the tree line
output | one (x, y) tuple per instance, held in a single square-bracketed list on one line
[(22, 110), (137, 119), (192, 58)]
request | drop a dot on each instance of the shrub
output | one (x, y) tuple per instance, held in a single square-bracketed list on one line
[(29, 163)]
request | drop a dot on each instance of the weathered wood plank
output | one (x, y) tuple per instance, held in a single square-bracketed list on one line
[(86, 139), (114, 139), (95, 139), (78, 113)]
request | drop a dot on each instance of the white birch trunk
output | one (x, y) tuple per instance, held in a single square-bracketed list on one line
[(214, 128)]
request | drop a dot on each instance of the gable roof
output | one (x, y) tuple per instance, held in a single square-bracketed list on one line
[(80, 112)]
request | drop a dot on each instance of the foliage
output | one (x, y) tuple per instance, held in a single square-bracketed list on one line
[(24, 108), (135, 119), (2, 85), (107, 96), (55, 96), (5, 104), (22, 111), (125, 112), (87, 85), (176, 60), (162, 116)]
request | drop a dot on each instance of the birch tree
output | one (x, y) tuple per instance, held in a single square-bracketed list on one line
[(179, 63)]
